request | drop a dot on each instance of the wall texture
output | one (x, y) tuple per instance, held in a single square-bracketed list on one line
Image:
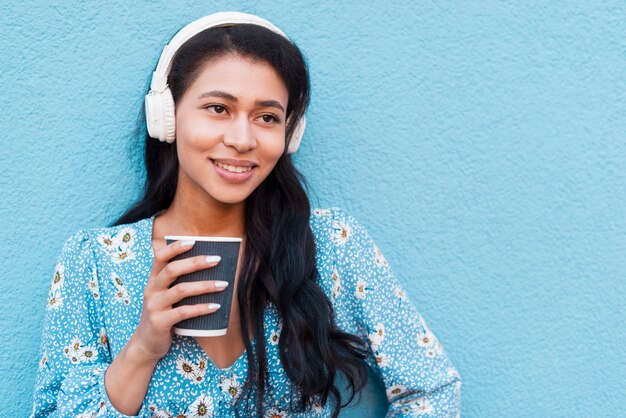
[(481, 143)]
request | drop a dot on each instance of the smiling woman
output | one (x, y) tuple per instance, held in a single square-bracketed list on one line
[(315, 297)]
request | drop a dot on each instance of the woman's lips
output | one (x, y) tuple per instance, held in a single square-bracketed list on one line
[(231, 177)]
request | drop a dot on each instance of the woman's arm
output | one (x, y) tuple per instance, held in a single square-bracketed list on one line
[(127, 379), (74, 349), (418, 375)]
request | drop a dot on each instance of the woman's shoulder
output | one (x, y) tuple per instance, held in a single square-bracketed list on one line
[(105, 237), (333, 225), (333, 217), (322, 216)]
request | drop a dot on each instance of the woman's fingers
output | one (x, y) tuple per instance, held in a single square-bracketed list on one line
[(167, 271), (177, 268), (172, 316), (163, 255), (183, 290)]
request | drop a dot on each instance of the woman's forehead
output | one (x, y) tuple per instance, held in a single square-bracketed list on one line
[(239, 77)]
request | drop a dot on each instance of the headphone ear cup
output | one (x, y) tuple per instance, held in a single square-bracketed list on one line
[(160, 115), (296, 136)]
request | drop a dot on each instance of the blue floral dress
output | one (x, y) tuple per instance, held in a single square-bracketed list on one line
[(94, 307)]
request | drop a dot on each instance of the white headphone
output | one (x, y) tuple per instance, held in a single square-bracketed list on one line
[(159, 100)]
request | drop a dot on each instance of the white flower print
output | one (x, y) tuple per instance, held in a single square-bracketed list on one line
[(400, 294), (201, 407), (43, 361), (275, 413), (156, 412), (125, 237), (201, 364), (103, 339), (452, 372), (426, 339), (376, 337), (121, 293), (380, 330), (382, 360), (435, 350), (185, 367), (191, 370), (106, 241), (123, 255), (317, 407), (87, 353), (394, 391), (122, 296), (119, 246), (274, 337), (93, 286), (199, 370), (321, 212), (336, 288), (361, 289), (421, 407), (58, 278), (55, 299), (76, 352), (230, 385), (379, 259), (117, 281), (161, 413), (341, 232)]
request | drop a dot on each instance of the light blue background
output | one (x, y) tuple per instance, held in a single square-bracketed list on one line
[(480, 142)]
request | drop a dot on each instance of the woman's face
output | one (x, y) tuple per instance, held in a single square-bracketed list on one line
[(234, 110)]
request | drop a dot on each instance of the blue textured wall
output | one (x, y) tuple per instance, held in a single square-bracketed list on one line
[(481, 143)]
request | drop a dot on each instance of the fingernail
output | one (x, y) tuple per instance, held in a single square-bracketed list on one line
[(213, 306), (187, 243), (220, 284), (213, 258)]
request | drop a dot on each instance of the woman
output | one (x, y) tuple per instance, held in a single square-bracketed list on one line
[(315, 298)]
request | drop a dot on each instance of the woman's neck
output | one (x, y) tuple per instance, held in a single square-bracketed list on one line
[(226, 221)]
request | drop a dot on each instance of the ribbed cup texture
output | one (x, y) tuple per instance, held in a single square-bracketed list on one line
[(224, 270)]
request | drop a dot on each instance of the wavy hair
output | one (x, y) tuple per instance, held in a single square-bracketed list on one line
[(279, 262)]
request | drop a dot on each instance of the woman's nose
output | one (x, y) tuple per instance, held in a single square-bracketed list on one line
[(239, 134)]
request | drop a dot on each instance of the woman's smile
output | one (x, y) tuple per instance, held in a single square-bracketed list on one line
[(231, 173)]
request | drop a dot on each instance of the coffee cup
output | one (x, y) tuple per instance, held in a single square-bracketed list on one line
[(214, 323)]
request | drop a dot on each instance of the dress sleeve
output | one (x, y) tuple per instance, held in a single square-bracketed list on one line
[(74, 353), (418, 376)]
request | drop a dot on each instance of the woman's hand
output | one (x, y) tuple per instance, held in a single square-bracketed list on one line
[(153, 336)]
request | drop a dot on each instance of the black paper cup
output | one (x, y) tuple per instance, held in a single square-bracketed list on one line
[(215, 323)]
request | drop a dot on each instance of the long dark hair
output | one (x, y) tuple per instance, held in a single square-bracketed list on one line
[(279, 262)]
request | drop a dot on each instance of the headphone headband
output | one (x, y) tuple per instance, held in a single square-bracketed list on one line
[(159, 77)]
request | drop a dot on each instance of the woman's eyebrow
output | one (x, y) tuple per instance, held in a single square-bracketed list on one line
[(228, 96)]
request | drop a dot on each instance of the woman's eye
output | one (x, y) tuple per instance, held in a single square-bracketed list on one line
[(217, 108), (270, 118)]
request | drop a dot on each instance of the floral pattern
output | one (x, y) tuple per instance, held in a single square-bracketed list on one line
[(94, 306), (231, 386), (121, 293), (55, 298), (194, 371), (77, 352), (119, 244)]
